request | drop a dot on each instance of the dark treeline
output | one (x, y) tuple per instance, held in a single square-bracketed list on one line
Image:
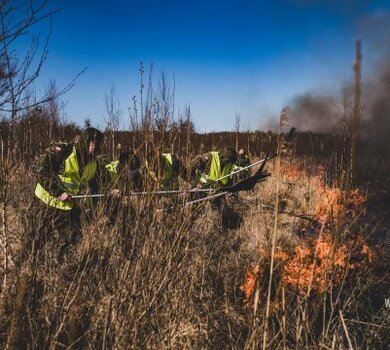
[(28, 136), (256, 143)]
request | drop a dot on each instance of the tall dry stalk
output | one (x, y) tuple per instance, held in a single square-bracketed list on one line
[(356, 112), (282, 122), (4, 243), (113, 111), (237, 125)]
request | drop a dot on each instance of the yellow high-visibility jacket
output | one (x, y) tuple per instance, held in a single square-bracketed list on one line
[(169, 177), (215, 171), (71, 181)]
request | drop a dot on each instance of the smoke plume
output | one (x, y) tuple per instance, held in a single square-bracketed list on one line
[(375, 127), (315, 113)]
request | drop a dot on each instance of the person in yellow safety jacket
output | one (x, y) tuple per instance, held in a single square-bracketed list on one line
[(125, 172), (213, 166), (168, 169), (65, 169)]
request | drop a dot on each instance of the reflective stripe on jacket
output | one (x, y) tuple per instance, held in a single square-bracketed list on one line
[(71, 182)]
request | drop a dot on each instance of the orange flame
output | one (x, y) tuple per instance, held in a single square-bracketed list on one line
[(248, 287), (316, 266), (320, 263)]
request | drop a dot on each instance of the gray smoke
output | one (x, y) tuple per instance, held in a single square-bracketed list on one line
[(333, 112), (375, 127), (322, 113), (325, 114), (314, 113)]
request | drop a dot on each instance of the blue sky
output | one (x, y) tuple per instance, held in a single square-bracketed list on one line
[(227, 57)]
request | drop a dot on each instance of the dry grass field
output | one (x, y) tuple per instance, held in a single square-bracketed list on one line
[(235, 273)]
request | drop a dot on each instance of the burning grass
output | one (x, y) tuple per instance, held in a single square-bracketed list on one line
[(320, 261)]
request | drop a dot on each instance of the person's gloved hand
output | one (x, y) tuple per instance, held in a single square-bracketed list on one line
[(63, 197)]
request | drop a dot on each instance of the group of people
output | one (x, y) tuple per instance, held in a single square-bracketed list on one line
[(69, 169)]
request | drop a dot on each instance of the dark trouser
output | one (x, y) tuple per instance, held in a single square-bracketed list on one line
[(51, 228)]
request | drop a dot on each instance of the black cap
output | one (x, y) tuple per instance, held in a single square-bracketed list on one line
[(229, 154), (130, 158)]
